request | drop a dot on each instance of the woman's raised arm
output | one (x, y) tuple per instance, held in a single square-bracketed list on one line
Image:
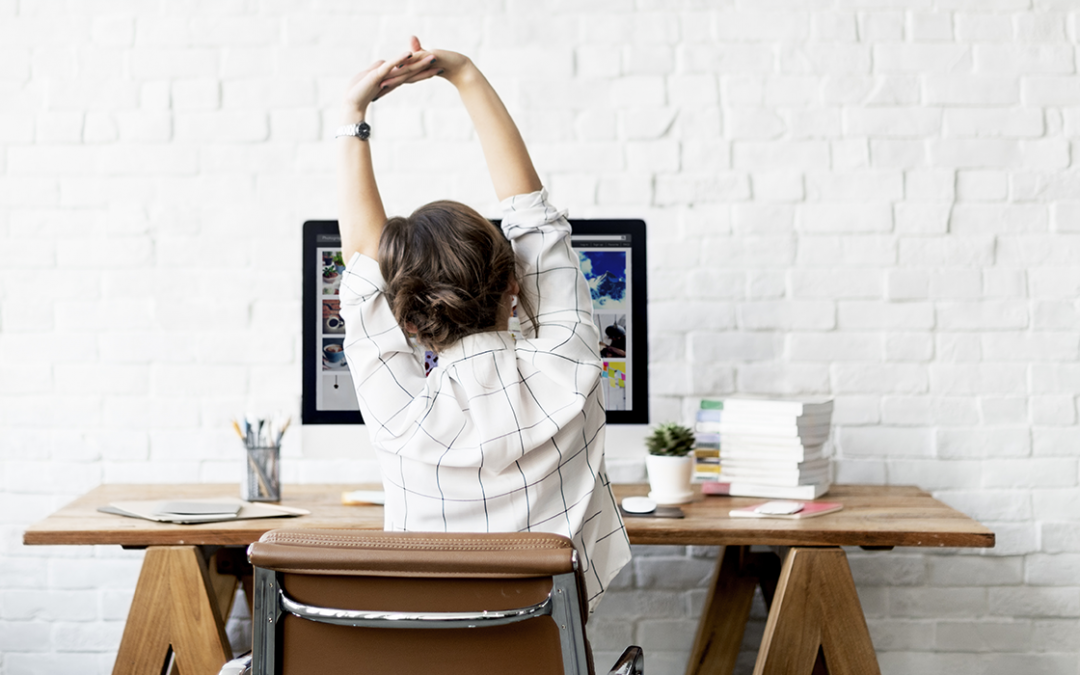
[(360, 209), (511, 168)]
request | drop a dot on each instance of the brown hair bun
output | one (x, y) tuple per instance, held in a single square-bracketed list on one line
[(447, 269)]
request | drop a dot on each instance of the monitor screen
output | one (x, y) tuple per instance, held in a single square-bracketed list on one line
[(612, 257)]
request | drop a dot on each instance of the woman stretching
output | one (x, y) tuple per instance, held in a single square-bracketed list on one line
[(504, 435)]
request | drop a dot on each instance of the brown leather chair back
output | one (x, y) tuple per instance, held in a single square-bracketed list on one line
[(373, 573)]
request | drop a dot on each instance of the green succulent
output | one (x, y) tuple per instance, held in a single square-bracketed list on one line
[(670, 439)]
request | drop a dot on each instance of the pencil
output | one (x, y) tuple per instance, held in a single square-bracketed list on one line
[(277, 441), (259, 475)]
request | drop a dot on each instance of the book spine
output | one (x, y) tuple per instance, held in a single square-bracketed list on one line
[(776, 480), (715, 487), (742, 489), (765, 407), (802, 420), (766, 432), (771, 465), (707, 440), (772, 441), (708, 415), (796, 456), (796, 451)]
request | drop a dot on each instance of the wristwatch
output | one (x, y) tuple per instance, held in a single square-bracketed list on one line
[(361, 130)]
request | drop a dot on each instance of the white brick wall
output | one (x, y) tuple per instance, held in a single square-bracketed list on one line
[(873, 199)]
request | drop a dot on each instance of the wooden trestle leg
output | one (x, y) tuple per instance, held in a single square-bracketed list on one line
[(815, 626), (727, 608), (176, 606), (816, 611)]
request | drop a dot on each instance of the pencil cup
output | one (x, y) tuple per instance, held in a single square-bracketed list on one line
[(262, 481)]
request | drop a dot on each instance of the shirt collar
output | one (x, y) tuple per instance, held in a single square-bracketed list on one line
[(477, 343)]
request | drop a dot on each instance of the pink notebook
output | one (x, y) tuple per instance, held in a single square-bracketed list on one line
[(808, 510)]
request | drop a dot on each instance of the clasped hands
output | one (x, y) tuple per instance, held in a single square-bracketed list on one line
[(415, 65)]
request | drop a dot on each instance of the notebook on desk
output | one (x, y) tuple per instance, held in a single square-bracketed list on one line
[(193, 511)]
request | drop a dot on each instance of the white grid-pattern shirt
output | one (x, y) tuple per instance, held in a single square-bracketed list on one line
[(505, 435)]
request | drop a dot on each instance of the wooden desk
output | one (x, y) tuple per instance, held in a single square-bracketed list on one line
[(815, 623)]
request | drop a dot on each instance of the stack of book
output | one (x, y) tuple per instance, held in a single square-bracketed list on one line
[(774, 448), (707, 441)]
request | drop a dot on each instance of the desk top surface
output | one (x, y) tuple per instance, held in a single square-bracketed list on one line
[(873, 516)]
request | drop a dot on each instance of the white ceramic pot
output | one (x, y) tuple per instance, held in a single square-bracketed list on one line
[(669, 478)]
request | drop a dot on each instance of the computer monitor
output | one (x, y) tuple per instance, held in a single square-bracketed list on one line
[(612, 256)]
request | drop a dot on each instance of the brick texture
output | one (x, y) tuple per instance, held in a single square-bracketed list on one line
[(877, 200)]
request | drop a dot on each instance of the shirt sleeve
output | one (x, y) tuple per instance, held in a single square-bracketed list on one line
[(550, 276), (386, 370)]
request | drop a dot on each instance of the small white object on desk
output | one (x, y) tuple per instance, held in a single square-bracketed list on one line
[(779, 508), (361, 497), (786, 510), (638, 505)]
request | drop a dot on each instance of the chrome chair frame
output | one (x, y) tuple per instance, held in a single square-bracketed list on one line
[(271, 602)]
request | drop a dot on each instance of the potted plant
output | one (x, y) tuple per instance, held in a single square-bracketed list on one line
[(670, 464)]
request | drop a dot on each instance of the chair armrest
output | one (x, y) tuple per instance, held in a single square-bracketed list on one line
[(632, 662)]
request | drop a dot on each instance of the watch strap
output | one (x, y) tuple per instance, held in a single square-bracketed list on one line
[(361, 130)]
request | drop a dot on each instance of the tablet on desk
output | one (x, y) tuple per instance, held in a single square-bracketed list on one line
[(194, 511)]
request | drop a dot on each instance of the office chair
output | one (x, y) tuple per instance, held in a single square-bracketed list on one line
[(367, 602)]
